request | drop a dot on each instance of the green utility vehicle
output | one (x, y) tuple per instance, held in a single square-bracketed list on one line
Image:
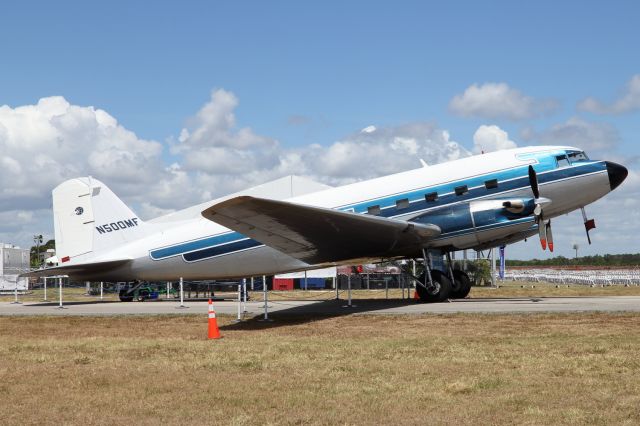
[(144, 291)]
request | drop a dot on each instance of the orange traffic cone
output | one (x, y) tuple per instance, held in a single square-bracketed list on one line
[(214, 332), (415, 295)]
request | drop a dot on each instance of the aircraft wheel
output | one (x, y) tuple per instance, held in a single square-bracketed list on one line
[(440, 291), (126, 298), (462, 285)]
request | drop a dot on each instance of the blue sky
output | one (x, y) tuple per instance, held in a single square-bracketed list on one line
[(304, 73)]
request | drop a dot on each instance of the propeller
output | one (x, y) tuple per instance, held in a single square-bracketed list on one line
[(533, 181), (542, 232), (544, 228)]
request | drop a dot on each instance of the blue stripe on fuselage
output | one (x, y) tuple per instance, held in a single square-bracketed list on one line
[(544, 163), (191, 246), (508, 180), (221, 250), (497, 225)]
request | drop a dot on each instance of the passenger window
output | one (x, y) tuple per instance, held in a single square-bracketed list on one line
[(563, 161), (373, 210), (402, 204), (432, 196), (491, 184), (460, 190)]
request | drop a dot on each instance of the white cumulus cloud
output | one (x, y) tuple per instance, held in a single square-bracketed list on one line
[(628, 101), (499, 101), (381, 151), (211, 143), (491, 138), (43, 144), (588, 135)]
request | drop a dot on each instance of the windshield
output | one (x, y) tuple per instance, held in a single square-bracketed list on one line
[(576, 156)]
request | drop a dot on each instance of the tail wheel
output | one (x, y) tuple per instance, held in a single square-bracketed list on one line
[(462, 285), (440, 290)]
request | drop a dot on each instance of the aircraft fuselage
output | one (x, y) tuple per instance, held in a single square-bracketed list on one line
[(465, 198)]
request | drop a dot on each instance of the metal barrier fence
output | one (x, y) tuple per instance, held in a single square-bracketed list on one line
[(582, 277)]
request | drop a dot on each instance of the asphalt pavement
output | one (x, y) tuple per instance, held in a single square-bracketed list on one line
[(333, 307)]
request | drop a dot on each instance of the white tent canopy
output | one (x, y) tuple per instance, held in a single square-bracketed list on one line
[(314, 273)]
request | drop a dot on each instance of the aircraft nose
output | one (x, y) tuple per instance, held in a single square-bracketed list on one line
[(617, 174)]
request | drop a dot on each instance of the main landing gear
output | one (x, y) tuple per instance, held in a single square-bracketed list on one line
[(461, 285), (436, 286)]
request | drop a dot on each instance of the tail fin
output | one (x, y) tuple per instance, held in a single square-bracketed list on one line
[(89, 217)]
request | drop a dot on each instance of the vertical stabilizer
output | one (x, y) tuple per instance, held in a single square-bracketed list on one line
[(89, 217)]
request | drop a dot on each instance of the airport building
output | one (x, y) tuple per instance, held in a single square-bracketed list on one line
[(13, 262)]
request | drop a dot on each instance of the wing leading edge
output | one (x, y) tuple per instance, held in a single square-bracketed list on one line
[(319, 235)]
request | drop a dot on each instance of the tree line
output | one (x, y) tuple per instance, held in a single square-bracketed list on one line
[(626, 259), (51, 244)]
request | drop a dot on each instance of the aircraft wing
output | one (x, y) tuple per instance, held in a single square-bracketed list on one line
[(82, 269), (319, 235)]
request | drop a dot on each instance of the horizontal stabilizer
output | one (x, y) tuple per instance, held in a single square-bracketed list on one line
[(78, 270), (319, 235)]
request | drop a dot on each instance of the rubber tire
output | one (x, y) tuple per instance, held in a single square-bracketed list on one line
[(462, 285), (441, 295), (143, 295)]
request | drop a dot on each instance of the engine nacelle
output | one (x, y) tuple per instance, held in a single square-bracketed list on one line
[(481, 222)]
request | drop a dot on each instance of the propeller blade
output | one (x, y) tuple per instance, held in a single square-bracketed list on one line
[(549, 236), (542, 232), (533, 181)]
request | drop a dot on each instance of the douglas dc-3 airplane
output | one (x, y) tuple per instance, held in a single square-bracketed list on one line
[(476, 202)]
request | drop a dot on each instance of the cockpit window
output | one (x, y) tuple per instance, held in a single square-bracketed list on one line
[(577, 156), (563, 161)]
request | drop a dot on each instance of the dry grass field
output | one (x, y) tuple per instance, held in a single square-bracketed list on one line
[(531, 289), (505, 290), (432, 369)]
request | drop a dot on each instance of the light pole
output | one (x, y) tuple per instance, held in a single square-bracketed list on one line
[(38, 240)]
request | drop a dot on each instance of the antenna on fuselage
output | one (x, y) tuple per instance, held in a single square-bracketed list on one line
[(424, 164)]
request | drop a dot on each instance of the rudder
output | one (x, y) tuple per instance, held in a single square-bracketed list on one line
[(89, 217)]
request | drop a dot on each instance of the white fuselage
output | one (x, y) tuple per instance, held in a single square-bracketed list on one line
[(163, 253)]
